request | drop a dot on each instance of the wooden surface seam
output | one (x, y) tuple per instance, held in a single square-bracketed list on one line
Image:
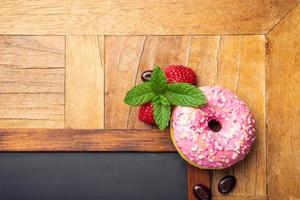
[(282, 19)]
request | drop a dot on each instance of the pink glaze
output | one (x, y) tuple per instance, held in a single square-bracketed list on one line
[(209, 149)]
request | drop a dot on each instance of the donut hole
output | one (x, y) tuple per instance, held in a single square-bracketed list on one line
[(214, 125)]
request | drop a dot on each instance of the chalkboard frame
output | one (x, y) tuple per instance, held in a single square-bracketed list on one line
[(96, 140)]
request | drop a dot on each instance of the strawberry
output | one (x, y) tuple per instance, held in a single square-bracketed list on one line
[(146, 113), (180, 73)]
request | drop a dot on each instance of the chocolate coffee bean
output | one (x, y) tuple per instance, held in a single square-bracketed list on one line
[(202, 192), (146, 75), (226, 184)]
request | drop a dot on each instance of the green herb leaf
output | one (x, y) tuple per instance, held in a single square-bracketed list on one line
[(163, 95), (183, 94), (139, 94), (162, 112), (158, 81)]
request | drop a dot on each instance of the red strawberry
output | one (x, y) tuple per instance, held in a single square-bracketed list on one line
[(146, 113), (180, 73)]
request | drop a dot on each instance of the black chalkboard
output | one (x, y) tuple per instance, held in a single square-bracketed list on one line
[(89, 176)]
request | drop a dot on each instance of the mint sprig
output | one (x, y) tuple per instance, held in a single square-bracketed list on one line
[(163, 95)]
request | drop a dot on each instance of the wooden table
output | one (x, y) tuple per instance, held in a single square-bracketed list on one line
[(67, 64)]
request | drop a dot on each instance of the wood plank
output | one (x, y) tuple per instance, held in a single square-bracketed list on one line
[(122, 60), (84, 140), (246, 59), (283, 104), (31, 106), (112, 17), (30, 123), (172, 50), (203, 59), (84, 82), (146, 62), (32, 81), (196, 176), (237, 63)]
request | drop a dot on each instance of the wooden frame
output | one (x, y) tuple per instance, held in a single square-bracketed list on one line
[(75, 140), (257, 44)]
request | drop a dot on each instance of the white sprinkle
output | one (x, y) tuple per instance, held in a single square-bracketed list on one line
[(234, 156), (194, 148)]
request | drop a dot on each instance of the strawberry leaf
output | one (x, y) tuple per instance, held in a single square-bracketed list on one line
[(183, 94), (162, 112), (139, 94), (158, 81)]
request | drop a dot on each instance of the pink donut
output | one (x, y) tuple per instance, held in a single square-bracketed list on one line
[(217, 135)]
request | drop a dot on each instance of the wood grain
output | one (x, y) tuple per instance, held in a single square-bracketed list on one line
[(84, 140), (283, 105), (122, 60), (196, 176), (32, 81), (150, 17), (146, 62), (84, 82), (203, 58)]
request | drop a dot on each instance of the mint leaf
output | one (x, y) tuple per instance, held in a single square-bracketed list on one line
[(163, 100), (139, 94), (162, 112), (158, 81), (183, 94)]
